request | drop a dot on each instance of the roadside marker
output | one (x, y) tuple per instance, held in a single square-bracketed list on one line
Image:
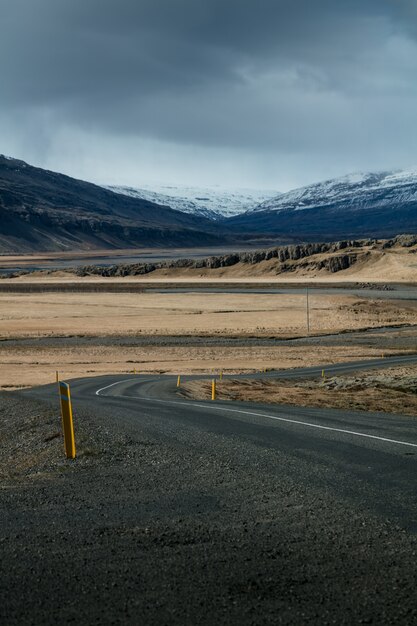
[(213, 389), (179, 381), (67, 423), (221, 376)]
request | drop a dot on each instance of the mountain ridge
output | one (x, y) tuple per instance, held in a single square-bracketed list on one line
[(214, 203), (344, 187), (370, 204), (41, 210)]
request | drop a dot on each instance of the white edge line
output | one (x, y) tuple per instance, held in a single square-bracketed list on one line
[(119, 382), (272, 417)]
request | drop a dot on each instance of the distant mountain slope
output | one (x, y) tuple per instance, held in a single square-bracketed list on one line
[(366, 205), (46, 211), (42, 210), (211, 202)]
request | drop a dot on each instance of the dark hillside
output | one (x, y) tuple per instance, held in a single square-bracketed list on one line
[(45, 211)]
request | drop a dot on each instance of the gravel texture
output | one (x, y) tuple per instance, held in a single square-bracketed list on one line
[(154, 525), (382, 338)]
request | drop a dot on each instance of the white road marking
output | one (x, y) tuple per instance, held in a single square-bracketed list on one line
[(271, 417), (119, 382)]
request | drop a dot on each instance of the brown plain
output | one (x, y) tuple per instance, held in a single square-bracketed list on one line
[(49, 315), (112, 315)]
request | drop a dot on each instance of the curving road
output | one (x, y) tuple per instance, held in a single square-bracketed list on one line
[(214, 512), (377, 450)]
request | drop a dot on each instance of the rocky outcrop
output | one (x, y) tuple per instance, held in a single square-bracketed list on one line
[(403, 241), (287, 256), (341, 262)]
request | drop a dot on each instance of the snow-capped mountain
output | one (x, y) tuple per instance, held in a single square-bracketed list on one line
[(380, 204), (355, 190), (211, 202)]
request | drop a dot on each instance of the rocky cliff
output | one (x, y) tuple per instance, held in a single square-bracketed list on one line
[(332, 257)]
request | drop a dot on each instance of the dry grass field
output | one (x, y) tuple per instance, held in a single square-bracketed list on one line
[(22, 366), (96, 321), (188, 314), (109, 316)]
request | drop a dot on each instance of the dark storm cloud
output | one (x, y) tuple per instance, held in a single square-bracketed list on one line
[(52, 49), (299, 76)]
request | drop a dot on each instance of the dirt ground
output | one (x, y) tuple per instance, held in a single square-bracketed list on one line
[(393, 390)]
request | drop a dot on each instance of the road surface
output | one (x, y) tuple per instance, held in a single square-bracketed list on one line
[(215, 513), (380, 447)]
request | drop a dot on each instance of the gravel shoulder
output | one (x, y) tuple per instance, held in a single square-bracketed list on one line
[(182, 526)]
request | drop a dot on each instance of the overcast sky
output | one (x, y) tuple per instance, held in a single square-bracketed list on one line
[(271, 94)]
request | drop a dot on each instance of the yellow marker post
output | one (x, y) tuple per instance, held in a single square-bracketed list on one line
[(221, 375), (67, 423), (179, 381), (213, 389)]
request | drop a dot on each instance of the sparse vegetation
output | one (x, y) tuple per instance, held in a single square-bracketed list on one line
[(391, 391)]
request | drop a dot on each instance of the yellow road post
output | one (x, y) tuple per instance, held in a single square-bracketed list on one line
[(179, 381), (67, 423), (213, 389), (221, 376)]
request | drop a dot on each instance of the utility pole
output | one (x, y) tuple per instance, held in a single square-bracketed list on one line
[(308, 312)]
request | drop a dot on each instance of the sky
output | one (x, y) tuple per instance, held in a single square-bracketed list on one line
[(268, 94)]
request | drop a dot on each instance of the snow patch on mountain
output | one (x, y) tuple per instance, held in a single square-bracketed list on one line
[(211, 202), (354, 190), (8, 158)]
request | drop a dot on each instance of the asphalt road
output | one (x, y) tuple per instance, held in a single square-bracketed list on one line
[(216, 513), (380, 447)]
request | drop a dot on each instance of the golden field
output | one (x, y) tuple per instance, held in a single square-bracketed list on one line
[(105, 317)]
